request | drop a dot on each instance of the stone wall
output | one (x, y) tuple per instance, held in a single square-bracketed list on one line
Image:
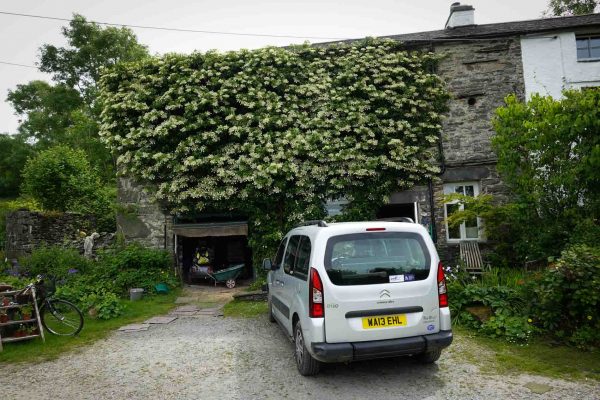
[(141, 219), (479, 75), (28, 230)]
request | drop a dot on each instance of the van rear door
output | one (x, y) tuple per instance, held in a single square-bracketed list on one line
[(379, 285)]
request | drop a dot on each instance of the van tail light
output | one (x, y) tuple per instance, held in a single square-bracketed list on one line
[(315, 297), (442, 291)]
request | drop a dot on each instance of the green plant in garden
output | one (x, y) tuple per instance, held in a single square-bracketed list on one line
[(61, 179), (549, 155), (55, 261), (567, 297), (273, 133)]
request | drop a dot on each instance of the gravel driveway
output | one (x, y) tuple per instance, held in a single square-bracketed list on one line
[(228, 358)]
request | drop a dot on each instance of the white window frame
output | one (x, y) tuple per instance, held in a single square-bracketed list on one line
[(450, 188)]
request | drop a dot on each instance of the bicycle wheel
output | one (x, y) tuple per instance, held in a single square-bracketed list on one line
[(62, 318)]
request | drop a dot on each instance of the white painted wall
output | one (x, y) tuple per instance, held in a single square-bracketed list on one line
[(550, 65)]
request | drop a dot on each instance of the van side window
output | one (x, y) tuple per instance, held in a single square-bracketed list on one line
[(289, 260), (279, 255), (302, 263)]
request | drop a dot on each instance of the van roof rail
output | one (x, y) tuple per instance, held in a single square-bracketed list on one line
[(318, 222), (397, 219)]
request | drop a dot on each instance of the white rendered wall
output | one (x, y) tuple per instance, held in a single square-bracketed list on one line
[(550, 65)]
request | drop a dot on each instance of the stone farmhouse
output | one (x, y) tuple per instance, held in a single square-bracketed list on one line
[(481, 65)]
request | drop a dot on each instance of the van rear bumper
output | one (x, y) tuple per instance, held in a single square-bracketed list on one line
[(342, 352)]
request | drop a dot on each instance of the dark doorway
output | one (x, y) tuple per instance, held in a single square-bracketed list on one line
[(221, 252)]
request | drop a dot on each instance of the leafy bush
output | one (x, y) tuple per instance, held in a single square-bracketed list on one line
[(97, 285), (560, 136), (61, 179), (56, 261), (566, 299), (512, 328)]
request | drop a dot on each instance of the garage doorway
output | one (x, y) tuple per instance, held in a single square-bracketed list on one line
[(211, 247)]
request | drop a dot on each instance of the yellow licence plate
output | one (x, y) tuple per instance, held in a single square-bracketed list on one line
[(384, 321)]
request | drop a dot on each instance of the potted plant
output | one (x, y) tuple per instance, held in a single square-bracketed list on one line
[(4, 317), (26, 312), (5, 301)]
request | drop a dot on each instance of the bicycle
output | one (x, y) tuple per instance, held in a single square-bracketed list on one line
[(59, 317)]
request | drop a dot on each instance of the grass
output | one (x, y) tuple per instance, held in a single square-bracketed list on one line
[(539, 358), (93, 330), (245, 309)]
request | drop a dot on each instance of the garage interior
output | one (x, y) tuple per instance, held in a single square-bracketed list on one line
[(221, 244)]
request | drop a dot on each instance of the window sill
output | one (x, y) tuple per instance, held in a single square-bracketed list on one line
[(596, 59)]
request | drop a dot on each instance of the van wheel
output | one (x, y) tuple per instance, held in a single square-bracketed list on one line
[(271, 317), (306, 364), (430, 357)]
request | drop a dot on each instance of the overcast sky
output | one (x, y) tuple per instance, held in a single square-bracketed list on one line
[(20, 37)]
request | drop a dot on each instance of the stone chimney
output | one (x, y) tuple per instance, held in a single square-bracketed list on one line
[(460, 16)]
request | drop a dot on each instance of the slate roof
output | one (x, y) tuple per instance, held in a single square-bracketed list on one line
[(503, 29), (490, 31)]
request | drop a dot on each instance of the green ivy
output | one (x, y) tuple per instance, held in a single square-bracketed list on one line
[(275, 132)]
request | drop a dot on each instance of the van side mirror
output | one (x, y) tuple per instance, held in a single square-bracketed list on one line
[(267, 264)]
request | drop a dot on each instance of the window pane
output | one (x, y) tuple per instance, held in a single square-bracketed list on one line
[(279, 256), (469, 191), (595, 52), (595, 42), (459, 189), (471, 229), (453, 232), (303, 257), (582, 43), (374, 258), (582, 53), (290, 254)]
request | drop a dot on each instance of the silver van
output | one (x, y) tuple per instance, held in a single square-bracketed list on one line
[(359, 290)]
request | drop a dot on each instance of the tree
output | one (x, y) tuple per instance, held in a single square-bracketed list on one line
[(549, 154), (571, 7), (61, 179), (13, 156), (91, 48), (68, 112), (274, 132), (47, 109)]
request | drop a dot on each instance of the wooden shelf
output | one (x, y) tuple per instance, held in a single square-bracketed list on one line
[(25, 321), (17, 339), (32, 302), (14, 306)]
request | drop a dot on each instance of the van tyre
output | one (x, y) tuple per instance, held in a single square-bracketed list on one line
[(271, 317), (430, 357), (306, 364)]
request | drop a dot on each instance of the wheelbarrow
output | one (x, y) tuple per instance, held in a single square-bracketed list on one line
[(227, 275)]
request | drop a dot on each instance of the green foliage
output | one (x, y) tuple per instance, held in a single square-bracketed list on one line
[(61, 179), (68, 113), (571, 7), (273, 133), (567, 297), (55, 261), (512, 328), (47, 109), (13, 155), (91, 47), (549, 154)]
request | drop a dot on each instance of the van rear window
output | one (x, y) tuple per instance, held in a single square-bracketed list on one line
[(376, 257)]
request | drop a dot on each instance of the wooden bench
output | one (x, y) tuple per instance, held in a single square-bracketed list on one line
[(471, 256)]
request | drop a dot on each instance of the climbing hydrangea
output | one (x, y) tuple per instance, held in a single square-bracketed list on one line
[(275, 132)]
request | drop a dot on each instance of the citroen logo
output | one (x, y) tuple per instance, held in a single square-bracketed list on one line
[(384, 293)]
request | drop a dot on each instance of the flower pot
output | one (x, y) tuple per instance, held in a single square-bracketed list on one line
[(4, 318)]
